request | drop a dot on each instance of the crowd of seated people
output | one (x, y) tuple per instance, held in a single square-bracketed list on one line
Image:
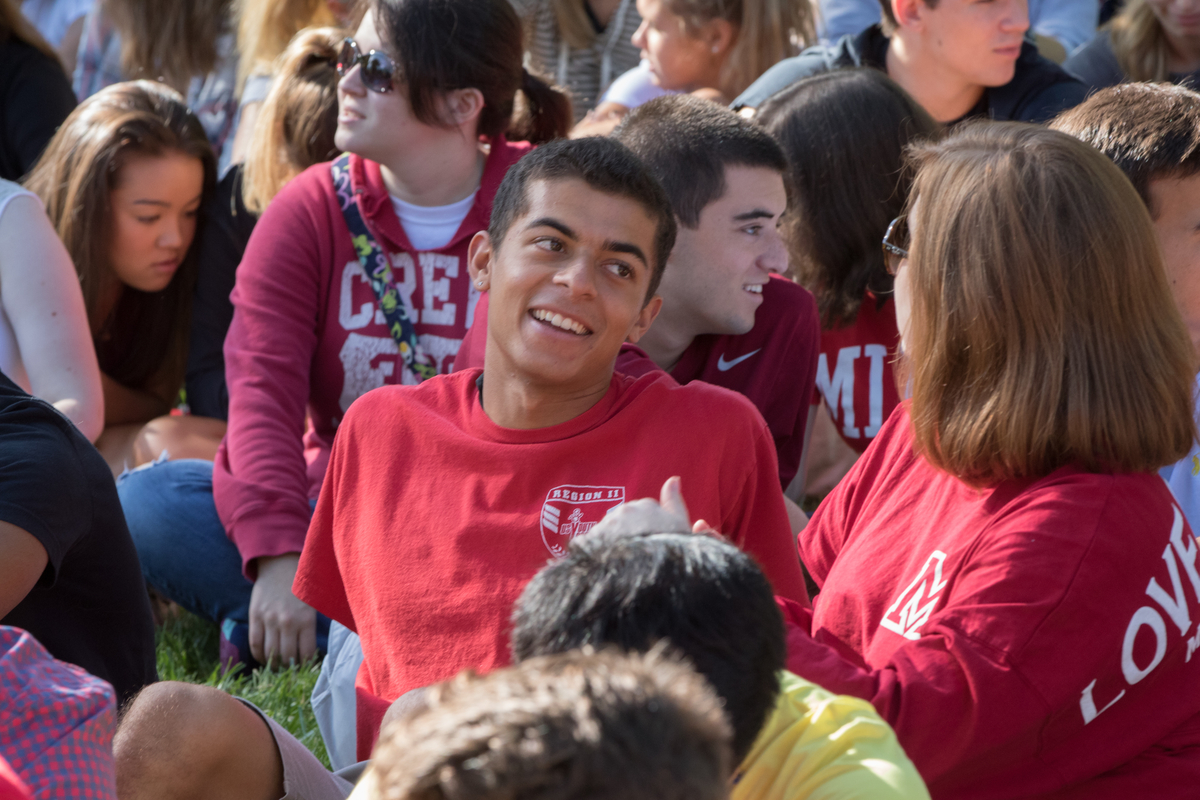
[(485, 355)]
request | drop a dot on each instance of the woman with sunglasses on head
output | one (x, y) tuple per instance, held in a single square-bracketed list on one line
[(425, 101), (1003, 573), (845, 133)]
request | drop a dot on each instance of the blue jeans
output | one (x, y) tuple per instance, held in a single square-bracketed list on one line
[(186, 555)]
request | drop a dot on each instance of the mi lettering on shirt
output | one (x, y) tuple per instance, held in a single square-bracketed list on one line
[(855, 376), (839, 386)]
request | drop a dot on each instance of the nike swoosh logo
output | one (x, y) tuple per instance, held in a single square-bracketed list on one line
[(725, 366)]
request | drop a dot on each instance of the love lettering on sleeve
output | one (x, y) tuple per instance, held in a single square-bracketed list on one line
[(1166, 613)]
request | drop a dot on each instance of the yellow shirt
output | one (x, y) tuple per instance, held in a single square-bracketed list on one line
[(823, 746)]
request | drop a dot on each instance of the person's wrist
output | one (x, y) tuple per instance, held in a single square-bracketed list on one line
[(266, 565)]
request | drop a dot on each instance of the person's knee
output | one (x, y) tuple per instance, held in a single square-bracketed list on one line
[(179, 436), (183, 740), (169, 722)]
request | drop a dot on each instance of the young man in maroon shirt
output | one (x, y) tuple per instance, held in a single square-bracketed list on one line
[(442, 500), (725, 319)]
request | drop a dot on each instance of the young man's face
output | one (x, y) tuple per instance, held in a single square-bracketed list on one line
[(1177, 223), (977, 40), (718, 269), (567, 284)]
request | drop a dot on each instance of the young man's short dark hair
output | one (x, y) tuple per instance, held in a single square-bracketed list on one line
[(604, 165), (687, 143), (706, 597), (606, 726), (1150, 130)]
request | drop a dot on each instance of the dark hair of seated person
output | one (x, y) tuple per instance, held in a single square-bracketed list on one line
[(704, 596), (688, 142), (845, 134), (1151, 131), (603, 164)]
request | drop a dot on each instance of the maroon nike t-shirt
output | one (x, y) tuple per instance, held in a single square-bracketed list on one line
[(774, 365)]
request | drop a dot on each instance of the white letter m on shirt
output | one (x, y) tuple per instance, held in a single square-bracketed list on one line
[(915, 604)]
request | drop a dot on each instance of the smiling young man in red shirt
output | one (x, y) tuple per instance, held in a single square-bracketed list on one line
[(517, 459), (442, 500), (726, 319)]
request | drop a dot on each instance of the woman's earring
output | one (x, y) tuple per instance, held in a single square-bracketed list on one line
[(716, 48)]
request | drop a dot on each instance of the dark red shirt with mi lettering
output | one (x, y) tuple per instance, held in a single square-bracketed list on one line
[(854, 372)]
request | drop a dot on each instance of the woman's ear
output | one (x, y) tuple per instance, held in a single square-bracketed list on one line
[(462, 106), (719, 35)]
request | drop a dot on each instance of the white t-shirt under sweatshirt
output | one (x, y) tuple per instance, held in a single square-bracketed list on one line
[(432, 227)]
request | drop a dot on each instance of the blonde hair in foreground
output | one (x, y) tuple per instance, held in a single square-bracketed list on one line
[(581, 724), (1042, 331), (1139, 43), (295, 128)]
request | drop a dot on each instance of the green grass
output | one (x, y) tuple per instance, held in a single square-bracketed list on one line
[(187, 651)]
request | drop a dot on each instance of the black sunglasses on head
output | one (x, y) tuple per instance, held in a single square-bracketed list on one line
[(895, 244), (375, 68)]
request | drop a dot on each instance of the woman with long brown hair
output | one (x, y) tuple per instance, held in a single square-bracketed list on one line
[(1003, 574), (123, 181), (35, 95)]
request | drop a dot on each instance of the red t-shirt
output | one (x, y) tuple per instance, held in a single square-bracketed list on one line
[(1034, 639), (432, 518), (773, 365), (308, 338), (854, 372)]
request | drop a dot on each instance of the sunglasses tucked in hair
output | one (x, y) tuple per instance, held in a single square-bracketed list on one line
[(376, 68), (895, 244)]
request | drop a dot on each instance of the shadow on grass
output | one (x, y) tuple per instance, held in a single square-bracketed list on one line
[(187, 651)]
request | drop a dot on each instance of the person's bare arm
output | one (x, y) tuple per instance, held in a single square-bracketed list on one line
[(41, 297), (22, 562)]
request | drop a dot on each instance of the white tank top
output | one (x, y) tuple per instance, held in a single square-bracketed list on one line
[(10, 354)]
